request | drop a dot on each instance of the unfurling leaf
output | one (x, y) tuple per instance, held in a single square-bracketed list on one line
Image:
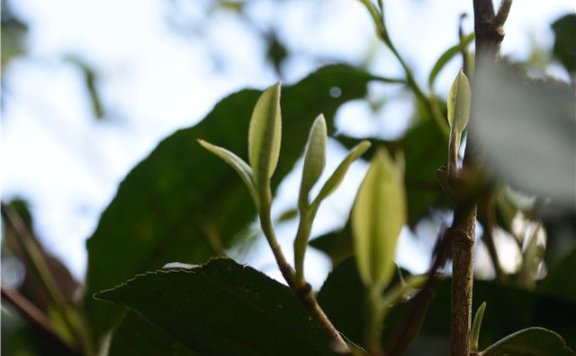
[(336, 178), (264, 135), (314, 159), (459, 103), (241, 167), (377, 219), (458, 115), (476, 325)]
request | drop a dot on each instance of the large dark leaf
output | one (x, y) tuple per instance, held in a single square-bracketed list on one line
[(224, 308), (560, 280), (181, 197), (336, 244), (138, 337)]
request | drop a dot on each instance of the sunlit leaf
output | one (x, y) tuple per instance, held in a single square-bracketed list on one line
[(265, 134), (377, 219), (336, 178), (459, 103), (237, 163), (314, 159)]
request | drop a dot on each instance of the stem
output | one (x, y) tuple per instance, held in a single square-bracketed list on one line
[(268, 229), (422, 299), (378, 18), (461, 236), (463, 50), (489, 34), (36, 319), (300, 287), (300, 242), (374, 322)]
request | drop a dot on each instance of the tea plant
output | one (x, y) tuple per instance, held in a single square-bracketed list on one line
[(160, 281)]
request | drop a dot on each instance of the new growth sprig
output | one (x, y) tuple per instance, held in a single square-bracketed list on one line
[(264, 141)]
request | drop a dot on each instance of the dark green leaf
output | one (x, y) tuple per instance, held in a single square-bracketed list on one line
[(530, 342), (559, 281), (138, 337), (425, 149), (222, 308), (343, 298), (177, 201), (565, 41)]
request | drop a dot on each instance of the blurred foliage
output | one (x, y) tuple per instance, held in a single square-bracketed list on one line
[(14, 31), (565, 42)]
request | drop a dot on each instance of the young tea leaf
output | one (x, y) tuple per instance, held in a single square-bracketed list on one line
[(336, 178), (237, 163), (459, 103), (314, 159), (377, 219), (476, 325), (458, 115), (264, 135)]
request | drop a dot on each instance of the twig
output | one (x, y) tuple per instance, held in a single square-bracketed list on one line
[(463, 50), (81, 335), (489, 35), (302, 289), (30, 312), (423, 298), (36, 319)]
